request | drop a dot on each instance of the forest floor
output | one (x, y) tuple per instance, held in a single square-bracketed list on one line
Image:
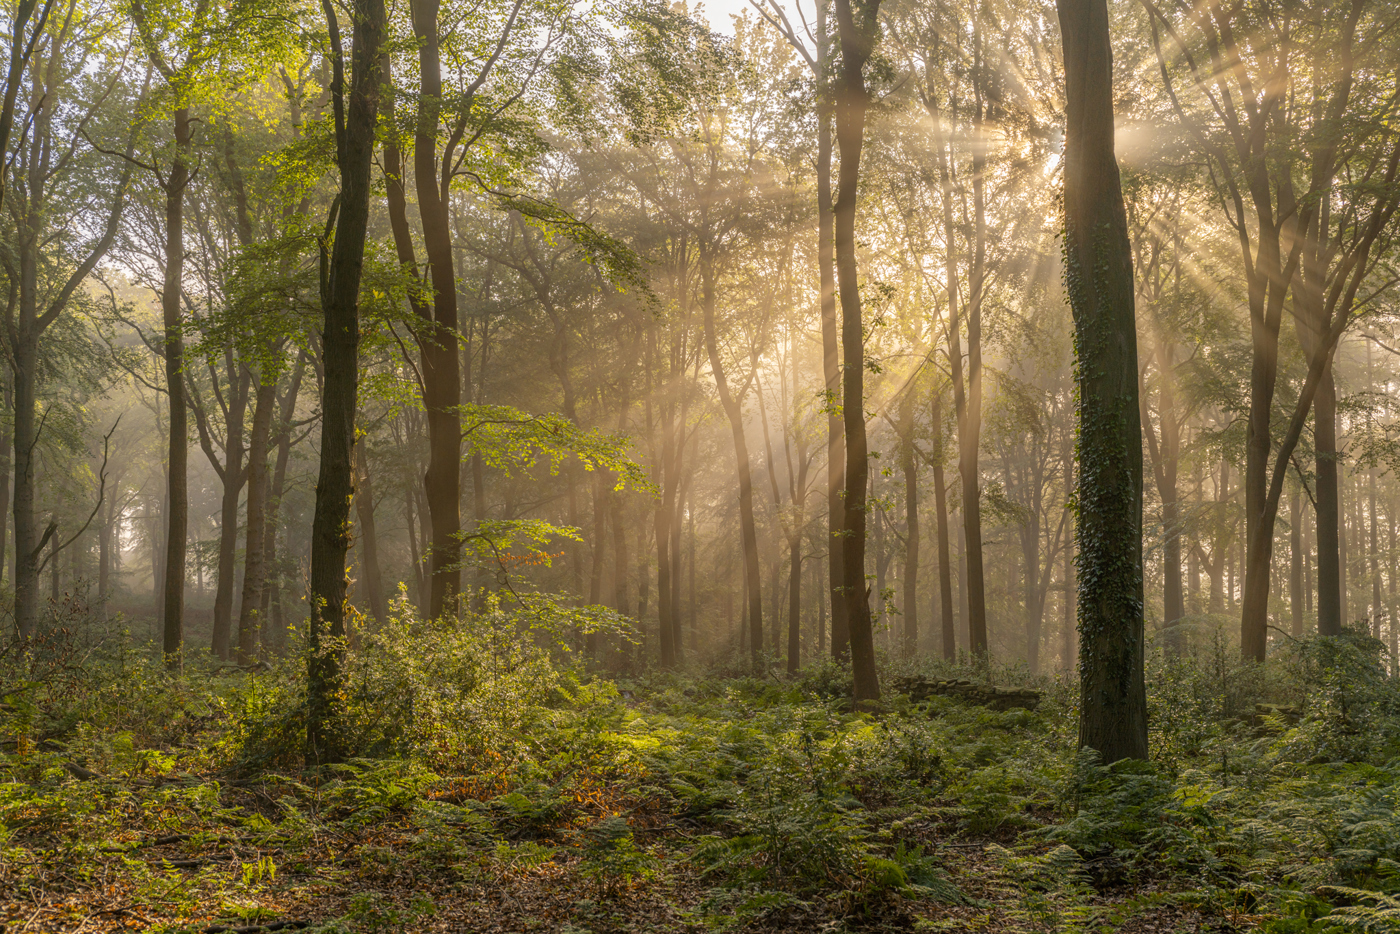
[(675, 804)]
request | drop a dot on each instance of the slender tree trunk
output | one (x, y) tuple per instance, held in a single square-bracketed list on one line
[(794, 640), (104, 556), (1343, 566), (664, 515), (1377, 609), (1394, 571), (6, 455), (911, 526), (369, 539), (1173, 598), (177, 461), (1329, 563), (1308, 536), (27, 544), (233, 476), (250, 623), (857, 37), (55, 580), (694, 607), (831, 352), (732, 408), (272, 594), (945, 555), (438, 342), (972, 578), (677, 525), (1113, 697), (356, 119), (598, 554), (1295, 570)]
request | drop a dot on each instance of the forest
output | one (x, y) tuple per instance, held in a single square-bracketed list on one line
[(602, 466)]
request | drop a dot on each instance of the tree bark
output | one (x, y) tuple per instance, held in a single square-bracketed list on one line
[(272, 593), (177, 462), (910, 606), (753, 573), (1099, 275), (831, 351), (356, 113), (369, 539), (233, 477), (945, 552), (1328, 510), (1295, 569), (973, 578), (857, 23), (250, 622)]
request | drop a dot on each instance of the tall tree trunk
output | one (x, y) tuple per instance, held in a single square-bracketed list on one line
[(598, 553), (1295, 570), (972, 578), (27, 543), (733, 409), (438, 343), (794, 639), (233, 476), (664, 516), (1068, 608), (369, 539), (272, 593), (911, 525), (1099, 274), (677, 525), (250, 623), (857, 22), (621, 598), (1329, 562), (694, 607), (356, 119), (1165, 469), (831, 351), (436, 327), (1377, 609), (177, 460), (6, 454), (945, 555)]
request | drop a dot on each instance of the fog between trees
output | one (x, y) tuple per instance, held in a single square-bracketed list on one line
[(692, 347)]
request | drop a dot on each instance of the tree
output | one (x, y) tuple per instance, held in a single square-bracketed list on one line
[(356, 110), (47, 194), (1099, 279), (857, 25)]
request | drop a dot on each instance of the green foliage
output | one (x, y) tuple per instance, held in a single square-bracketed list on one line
[(1050, 890), (611, 859)]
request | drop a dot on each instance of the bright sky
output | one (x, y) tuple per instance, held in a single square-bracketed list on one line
[(720, 13)]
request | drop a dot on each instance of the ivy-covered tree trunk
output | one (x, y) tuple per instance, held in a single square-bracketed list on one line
[(857, 23), (356, 115), (1099, 274)]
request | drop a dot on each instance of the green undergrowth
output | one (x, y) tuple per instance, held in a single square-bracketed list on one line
[(484, 761)]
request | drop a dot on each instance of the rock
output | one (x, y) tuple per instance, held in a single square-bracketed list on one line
[(985, 695)]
